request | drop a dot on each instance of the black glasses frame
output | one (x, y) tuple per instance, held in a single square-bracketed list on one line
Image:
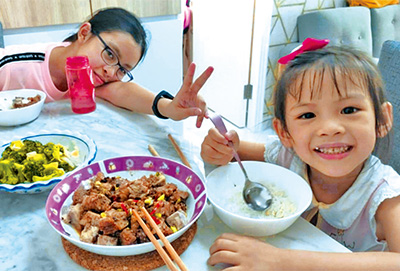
[(120, 67)]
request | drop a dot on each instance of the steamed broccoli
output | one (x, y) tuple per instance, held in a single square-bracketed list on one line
[(66, 166), (32, 168), (50, 171), (29, 160), (10, 172), (7, 151), (17, 156), (31, 146), (48, 150)]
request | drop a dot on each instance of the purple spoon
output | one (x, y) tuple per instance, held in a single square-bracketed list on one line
[(256, 195)]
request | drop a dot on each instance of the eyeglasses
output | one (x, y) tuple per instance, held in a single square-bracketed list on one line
[(111, 59)]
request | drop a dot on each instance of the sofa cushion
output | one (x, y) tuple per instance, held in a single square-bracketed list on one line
[(389, 66), (342, 26), (385, 25)]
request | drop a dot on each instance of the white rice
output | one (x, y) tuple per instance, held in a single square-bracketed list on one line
[(281, 205)]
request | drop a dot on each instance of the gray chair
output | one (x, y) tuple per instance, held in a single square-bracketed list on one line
[(1, 36), (385, 25), (348, 26), (359, 27), (389, 66)]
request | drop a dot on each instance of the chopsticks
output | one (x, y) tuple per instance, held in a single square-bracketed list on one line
[(179, 152), (157, 245), (153, 151), (177, 149)]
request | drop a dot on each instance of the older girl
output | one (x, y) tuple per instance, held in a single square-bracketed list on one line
[(115, 42)]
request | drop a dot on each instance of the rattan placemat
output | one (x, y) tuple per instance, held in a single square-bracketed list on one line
[(142, 262)]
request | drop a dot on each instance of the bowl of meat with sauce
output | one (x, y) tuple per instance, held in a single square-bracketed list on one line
[(20, 106), (93, 207)]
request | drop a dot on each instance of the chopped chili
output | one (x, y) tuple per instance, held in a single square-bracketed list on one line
[(155, 208), (124, 208), (156, 220)]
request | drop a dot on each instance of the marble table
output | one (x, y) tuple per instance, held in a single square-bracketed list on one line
[(28, 242)]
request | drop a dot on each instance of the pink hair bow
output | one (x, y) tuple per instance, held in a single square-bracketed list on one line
[(309, 44)]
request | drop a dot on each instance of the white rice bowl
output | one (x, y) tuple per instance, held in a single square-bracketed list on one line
[(291, 197)]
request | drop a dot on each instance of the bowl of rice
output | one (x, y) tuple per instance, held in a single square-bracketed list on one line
[(292, 195)]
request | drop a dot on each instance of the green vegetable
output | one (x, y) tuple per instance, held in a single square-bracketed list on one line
[(66, 166), (50, 171), (31, 161), (10, 172), (48, 150), (32, 168)]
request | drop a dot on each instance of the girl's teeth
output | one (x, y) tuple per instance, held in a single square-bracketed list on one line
[(333, 150)]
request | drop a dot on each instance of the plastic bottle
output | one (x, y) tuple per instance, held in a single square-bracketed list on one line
[(80, 84)]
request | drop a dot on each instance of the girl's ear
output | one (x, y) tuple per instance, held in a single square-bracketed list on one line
[(283, 135), (85, 31), (387, 111)]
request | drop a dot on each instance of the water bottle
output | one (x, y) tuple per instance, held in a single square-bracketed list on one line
[(80, 84)]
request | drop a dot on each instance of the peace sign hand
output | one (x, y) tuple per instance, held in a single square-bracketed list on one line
[(187, 102)]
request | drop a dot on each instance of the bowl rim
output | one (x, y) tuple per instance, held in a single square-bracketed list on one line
[(119, 249), (297, 213), (92, 152)]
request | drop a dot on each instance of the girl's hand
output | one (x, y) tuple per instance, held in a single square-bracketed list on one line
[(215, 149), (244, 253), (187, 102)]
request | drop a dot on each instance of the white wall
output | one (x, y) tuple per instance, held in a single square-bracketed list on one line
[(162, 66)]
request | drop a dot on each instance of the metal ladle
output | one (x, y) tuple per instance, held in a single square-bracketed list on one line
[(256, 195)]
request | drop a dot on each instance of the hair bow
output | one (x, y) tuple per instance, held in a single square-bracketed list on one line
[(309, 44)]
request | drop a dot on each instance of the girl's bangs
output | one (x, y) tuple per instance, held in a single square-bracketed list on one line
[(344, 74)]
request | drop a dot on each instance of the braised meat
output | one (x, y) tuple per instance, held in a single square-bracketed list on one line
[(102, 212), (19, 102)]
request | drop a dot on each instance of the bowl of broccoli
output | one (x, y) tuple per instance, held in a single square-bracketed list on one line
[(37, 162)]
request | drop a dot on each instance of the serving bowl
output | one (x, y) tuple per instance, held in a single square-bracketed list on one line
[(87, 153), (18, 116), (291, 197), (131, 168)]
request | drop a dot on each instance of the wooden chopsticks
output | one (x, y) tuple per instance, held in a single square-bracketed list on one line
[(179, 152), (167, 244), (153, 151), (184, 160)]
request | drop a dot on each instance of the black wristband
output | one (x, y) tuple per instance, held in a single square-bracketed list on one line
[(162, 94)]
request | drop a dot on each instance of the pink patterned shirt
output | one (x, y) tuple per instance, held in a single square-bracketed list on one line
[(27, 66)]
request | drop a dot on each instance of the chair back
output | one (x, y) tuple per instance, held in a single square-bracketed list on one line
[(389, 66), (350, 26), (1, 36)]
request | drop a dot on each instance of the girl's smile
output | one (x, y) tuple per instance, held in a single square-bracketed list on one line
[(336, 151)]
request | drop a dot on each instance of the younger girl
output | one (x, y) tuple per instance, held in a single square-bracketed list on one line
[(329, 112), (115, 42)]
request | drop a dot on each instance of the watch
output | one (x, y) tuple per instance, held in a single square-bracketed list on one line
[(162, 94)]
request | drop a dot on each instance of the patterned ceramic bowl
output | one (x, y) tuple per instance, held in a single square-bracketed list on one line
[(87, 153), (131, 168)]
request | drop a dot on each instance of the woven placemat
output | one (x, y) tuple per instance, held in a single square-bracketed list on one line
[(142, 262)]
